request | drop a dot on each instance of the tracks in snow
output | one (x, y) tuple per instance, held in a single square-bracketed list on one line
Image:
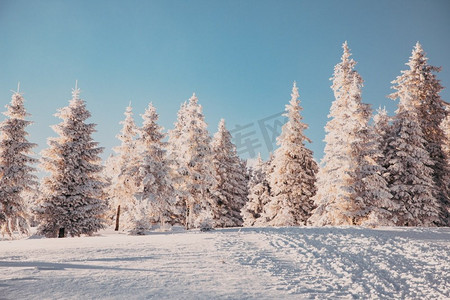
[(246, 263), (342, 263)]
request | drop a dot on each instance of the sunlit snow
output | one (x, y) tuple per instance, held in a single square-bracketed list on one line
[(246, 263)]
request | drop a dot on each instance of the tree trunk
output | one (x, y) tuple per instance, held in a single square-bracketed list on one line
[(190, 221), (186, 221), (162, 222), (117, 218), (61, 232)]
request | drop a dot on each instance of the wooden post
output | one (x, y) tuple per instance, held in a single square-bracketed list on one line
[(117, 218), (61, 232)]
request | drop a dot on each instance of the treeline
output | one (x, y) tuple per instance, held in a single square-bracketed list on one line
[(376, 170)]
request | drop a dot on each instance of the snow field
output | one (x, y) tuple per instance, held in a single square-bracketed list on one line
[(246, 263)]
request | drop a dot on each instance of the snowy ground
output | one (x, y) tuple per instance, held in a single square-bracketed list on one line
[(250, 263)]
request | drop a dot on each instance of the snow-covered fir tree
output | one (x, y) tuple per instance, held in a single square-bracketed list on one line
[(293, 178), (419, 85), (409, 172), (176, 161), (350, 183), (258, 194), (16, 171), (156, 190), (231, 180), (123, 176), (335, 197), (372, 200), (376, 190), (193, 163), (70, 203)]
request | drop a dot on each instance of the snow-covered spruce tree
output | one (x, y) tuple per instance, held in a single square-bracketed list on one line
[(334, 198), (156, 189), (176, 161), (349, 177), (124, 181), (375, 188), (70, 202), (372, 200), (409, 171), (16, 172), (196, 176), (199, 171), (293, 178), (258, 195), (420, 86), (231, 181)]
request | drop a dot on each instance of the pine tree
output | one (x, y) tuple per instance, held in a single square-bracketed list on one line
[(293, 178), (16, 172), (335, 198), (420, 86), (410, 175), (231, 181), (156, 191), (195, 172), (258, 195), (124, 182), (70, 202)]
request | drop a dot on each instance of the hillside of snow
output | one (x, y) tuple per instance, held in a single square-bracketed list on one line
[(246, 263)]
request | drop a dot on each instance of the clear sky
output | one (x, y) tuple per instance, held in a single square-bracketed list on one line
[(239, 57)]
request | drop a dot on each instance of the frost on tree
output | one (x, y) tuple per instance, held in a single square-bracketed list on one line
[(336, 176), (123, 174), (376, 194), (419, 86), (409, 172), (258, 195), (372, 200), (197, 170), (349, 178), (174, 152), (190, 145), (70, 203), (293, 178), (231, 181), (155, 193), (16, 172)]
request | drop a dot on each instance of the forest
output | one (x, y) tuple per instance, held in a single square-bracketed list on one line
[(377, 170)]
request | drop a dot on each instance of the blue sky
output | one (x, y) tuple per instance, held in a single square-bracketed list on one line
[(240, 57)]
